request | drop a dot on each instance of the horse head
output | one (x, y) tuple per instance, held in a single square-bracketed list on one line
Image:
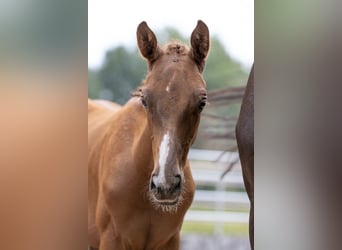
[(173, 96)]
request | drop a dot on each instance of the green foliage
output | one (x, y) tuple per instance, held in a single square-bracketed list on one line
[(124, 69), (122, 72), (221, 70), (94, 85)]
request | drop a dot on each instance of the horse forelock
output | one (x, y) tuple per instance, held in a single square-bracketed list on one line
[(176, 48)]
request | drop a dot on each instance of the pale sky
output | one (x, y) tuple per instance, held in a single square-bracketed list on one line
[(112, 23)]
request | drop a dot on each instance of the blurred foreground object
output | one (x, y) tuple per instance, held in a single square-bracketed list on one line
[(245, 142)]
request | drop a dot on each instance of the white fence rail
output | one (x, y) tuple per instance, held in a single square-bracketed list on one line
[(223, 197), (207, 167)]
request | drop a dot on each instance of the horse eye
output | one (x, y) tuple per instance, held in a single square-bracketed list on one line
[(143, 101), (202, 105)]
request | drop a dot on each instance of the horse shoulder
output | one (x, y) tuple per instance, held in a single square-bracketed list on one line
[(117, 154), (98, 122)]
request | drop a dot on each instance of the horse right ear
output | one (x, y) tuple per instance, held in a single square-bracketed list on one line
[(200, 44), (147, 43)]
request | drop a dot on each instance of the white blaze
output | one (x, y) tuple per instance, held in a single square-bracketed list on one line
[(163, 154), (170, 82)]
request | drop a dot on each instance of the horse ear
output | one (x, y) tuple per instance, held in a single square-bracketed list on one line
[(200, 44), (147, 43)]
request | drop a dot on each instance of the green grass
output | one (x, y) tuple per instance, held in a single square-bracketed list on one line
[(209, 208), (236, 229)]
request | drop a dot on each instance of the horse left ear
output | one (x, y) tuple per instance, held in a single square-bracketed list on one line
[(147, 43), (200, 44)]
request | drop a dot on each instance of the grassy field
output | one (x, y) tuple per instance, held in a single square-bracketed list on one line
[(202, 208), (233, 229)]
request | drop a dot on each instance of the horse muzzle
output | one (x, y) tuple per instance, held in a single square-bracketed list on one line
[(166, 191)]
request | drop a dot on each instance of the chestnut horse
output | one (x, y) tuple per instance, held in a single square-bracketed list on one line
[(139, 178), (245, 141)]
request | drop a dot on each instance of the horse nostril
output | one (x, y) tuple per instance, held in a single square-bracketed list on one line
[(168, 189), (153, 186), (178, 181)]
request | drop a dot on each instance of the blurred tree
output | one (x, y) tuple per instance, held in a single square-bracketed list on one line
[(221, 70), (121, 73), (94, 85)]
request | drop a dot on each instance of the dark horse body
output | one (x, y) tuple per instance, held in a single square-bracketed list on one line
[(139, 179), (245, 141)]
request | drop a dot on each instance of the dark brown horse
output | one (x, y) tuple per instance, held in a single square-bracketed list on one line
[(245, 141), (139, 178)]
